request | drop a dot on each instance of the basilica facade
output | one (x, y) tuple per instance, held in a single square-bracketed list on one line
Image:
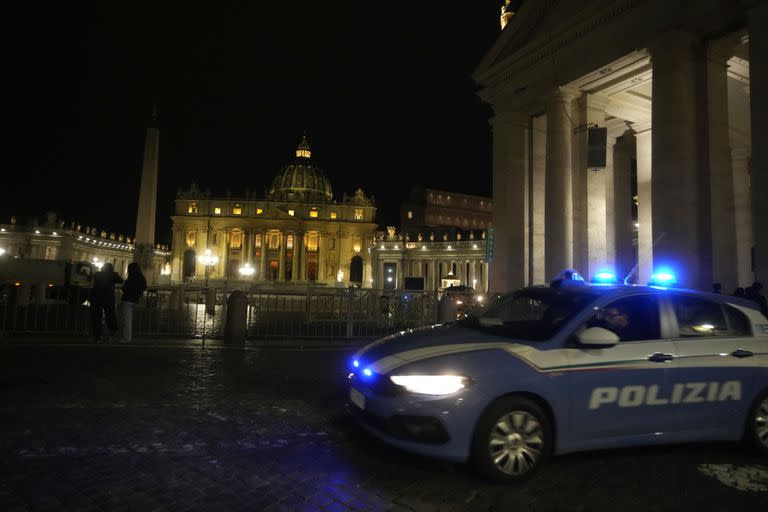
[(297, 234)]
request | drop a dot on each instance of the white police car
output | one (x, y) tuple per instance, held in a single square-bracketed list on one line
[(552, 370)]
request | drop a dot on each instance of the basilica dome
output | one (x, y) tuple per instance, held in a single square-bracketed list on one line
[(301, 180)]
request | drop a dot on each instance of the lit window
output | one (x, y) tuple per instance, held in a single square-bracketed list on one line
[(289, 242), (410, 214), (358, 214), (192, 208), (237, 210), (217, 211), (313, 213), (258, 241), (236, 240), (274, 241), (333, 215), (259, 211), (291, 212)]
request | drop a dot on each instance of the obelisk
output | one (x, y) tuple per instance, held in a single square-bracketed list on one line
[(145, 219)]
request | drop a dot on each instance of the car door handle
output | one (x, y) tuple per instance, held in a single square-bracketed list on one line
[(660, 357), (741, 353)]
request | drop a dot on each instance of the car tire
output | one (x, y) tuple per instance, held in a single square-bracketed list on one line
[(512, 439), (757, 424)]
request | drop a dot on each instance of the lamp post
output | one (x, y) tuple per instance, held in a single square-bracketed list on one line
[(208, 259)]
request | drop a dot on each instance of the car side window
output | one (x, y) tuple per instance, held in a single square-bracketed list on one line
[(702, 318), (633, 318)]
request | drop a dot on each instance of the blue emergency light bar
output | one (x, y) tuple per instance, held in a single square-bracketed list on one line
[(663, 279), (604, 278)]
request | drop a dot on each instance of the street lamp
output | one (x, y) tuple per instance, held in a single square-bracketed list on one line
[(208, 259), (98, 264), (247, 270)]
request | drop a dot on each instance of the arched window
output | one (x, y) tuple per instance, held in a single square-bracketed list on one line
[(257, 241), (274, 240), (289, 242), (236, 240)]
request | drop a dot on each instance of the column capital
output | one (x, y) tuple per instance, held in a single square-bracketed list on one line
[(564, 93)]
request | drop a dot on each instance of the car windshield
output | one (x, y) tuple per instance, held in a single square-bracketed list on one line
[(533, 314)]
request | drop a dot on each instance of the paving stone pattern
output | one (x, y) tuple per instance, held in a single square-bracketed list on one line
[(145, 428)]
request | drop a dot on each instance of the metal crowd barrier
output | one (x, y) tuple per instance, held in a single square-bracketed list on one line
[(200, 313)]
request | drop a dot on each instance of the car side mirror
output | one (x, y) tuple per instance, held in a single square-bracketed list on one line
[(598, 337)]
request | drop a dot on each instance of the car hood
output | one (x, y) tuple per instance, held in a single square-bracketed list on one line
[(423, 343)]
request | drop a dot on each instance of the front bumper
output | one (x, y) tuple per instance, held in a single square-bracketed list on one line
[(440, 427)]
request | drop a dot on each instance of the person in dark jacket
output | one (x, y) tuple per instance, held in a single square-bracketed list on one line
[(133, 288), (103, 300)]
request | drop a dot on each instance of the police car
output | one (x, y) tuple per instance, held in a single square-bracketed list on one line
[(558, 369)]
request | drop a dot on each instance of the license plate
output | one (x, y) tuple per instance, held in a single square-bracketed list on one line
[(357, 398)]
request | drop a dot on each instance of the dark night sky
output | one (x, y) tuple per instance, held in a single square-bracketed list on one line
[(383, 91)]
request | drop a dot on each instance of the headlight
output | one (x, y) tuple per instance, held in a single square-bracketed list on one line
[(431, 384)]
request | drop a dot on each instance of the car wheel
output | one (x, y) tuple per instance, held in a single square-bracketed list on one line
[(757, 428), (512, 439)]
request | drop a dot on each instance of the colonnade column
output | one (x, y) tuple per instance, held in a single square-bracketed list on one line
[(619, 228), (743, 215), (432, 275), (679, 219), (589, 201), (536, 195), (558, 217), (645, 196), (510, 169), (484, 269), (721, 198), (281, 258), (380, 276), (758, 83)]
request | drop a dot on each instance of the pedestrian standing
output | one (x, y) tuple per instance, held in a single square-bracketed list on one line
[(755, 293), (103, 301), (133, 288)]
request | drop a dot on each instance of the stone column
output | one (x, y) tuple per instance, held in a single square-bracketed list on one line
[(743, 216), (680, 221), (758, 76), (721, 193), (619, 203), (484, 268), (322, 243), (510, 169), (380, 277), (558, 219), (245, 250), (263, 263), (295, 259), (589, 193), (281, 258), (298, 253), (536, 194), (471, 276), (432, 275), (645, 206)]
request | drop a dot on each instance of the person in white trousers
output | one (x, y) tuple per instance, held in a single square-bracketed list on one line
[(133, 288)]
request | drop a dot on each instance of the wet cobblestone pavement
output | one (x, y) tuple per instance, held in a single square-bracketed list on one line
[(178, 427)]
